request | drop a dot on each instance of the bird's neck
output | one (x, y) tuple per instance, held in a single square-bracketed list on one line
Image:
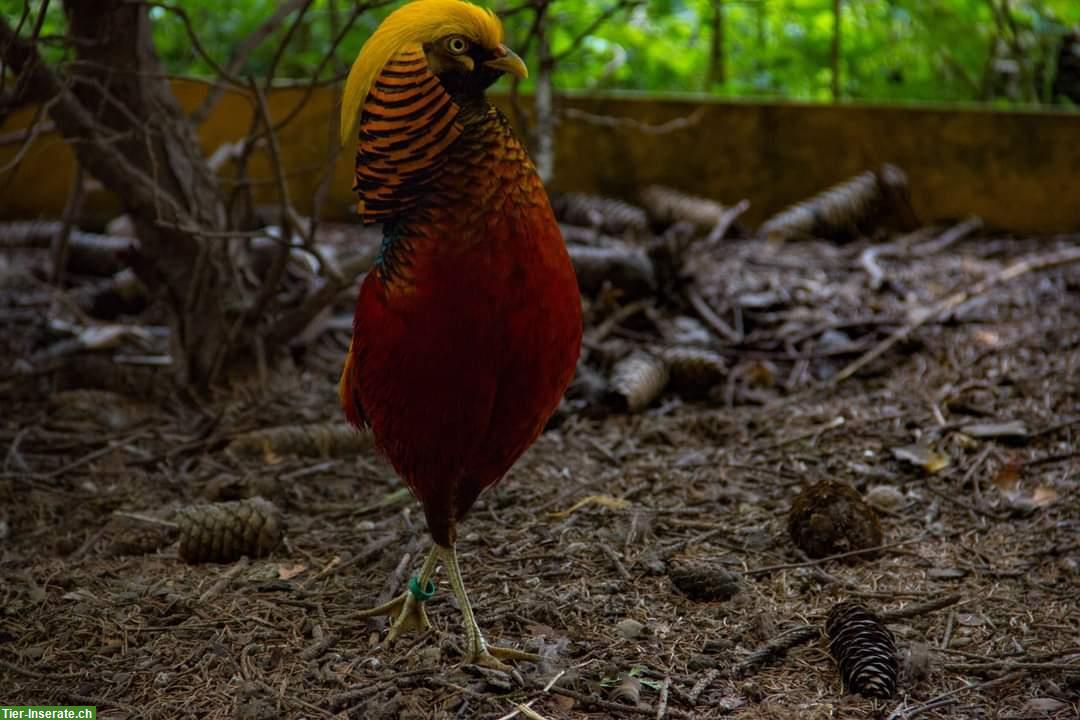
[(487, 185), (488, 173)]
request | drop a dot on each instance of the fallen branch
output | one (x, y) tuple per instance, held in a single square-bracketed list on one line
[(614, 707), (681, 123), (86, 253), (61, 244), (868, 258), (728, 219), (709, 316), (948, 698), (1031, 263)]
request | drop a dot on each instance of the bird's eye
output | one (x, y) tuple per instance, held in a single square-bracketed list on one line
[(456, 45)]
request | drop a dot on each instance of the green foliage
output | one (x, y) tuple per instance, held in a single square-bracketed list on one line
[(890, 50)]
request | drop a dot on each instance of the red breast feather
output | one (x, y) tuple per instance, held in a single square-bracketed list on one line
[(466, 337)]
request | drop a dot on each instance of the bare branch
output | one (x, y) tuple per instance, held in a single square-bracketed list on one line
[(72, 208), (102, 159), (281, 260), (285, 43), (294, 322), (681, 123), (592, 27), (241, 54), (195, 43), (20, 83), (358, 10), (1031, 263), (36, 128)]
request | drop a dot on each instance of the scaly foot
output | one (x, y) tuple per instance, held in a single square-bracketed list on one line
[(408, 607), (409, 614), (492, 656)]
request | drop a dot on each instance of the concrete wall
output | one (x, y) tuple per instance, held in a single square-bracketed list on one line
[(1018, 170)]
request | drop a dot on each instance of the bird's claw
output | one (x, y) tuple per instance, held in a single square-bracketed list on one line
[(492, 656), (410, 615)]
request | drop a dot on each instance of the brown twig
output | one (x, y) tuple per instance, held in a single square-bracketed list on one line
[(613, 707), (680, 123), (702, 685), (1031, 263), (225, 580), (868, 258), (662, 702), (948, 698), (72, 208), (838, 556), (240, 55), (728, 219), (709, 316), (619, 567)]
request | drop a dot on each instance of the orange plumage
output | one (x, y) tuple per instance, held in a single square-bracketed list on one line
[(468, 330)]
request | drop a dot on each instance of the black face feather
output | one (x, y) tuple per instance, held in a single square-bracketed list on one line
[(463, 83)]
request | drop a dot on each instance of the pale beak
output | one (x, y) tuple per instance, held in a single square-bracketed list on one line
[(507, 61)]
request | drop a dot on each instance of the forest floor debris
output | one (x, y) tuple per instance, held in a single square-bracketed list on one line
[(970, 418)]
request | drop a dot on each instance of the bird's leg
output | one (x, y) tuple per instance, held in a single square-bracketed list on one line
[(477, 651), (409, 607)]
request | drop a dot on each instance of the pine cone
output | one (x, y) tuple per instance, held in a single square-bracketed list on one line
[(607, 214), (223, 532), (831, 518), (627, 692), (636, 381), (864, 649), (704, 582), (627, 269), (668, 205), (694, 370), (847, 210)]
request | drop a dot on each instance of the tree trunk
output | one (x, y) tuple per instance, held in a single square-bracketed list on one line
[(545, 102), (837, 11), (118, 112), (717, 73)]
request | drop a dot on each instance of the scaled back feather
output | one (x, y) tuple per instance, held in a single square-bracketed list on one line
[(419, 22)]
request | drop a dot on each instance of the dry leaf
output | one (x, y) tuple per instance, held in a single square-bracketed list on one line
[(921, 456), (987, 338), (540, 630), (528, 712), (270, 457), (563, 703), (885, 497), (288, 572), (1044, 496), (607, 501), (1012, 429), (1008, 475), (761, 373), (1043, 706)]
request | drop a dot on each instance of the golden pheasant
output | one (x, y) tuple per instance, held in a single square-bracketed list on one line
[(468, 329)]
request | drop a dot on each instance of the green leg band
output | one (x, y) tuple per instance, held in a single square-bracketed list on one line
[(421, 594)]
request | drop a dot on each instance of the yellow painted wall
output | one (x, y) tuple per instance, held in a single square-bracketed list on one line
[(1019, 171)]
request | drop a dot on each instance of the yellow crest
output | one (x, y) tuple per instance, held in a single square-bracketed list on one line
[(419, 22)]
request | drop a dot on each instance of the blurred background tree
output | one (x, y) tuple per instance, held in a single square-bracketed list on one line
[(1001, 51), (99, 71)]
